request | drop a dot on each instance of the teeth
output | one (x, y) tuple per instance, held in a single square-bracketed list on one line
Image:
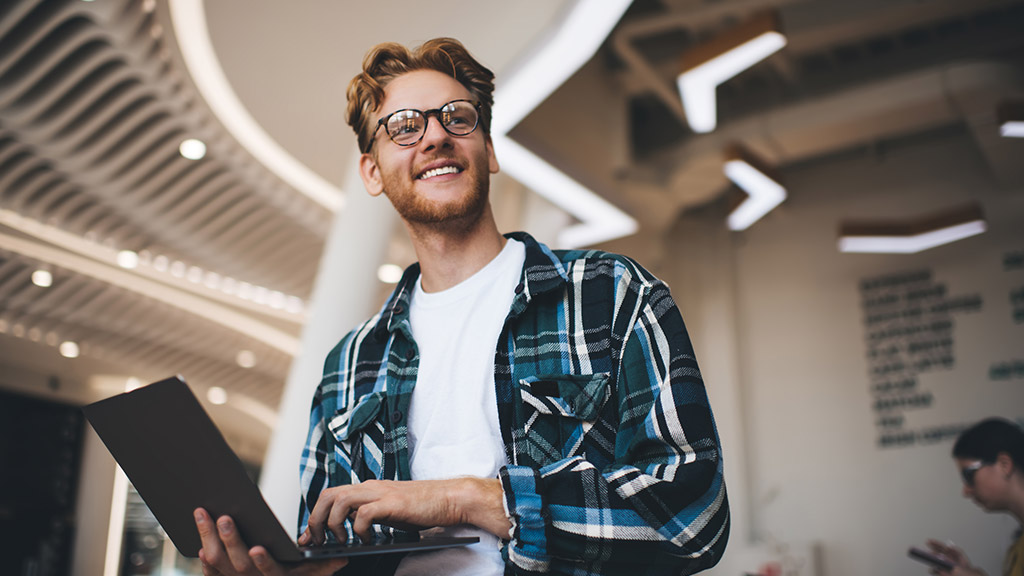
[(439, 171)]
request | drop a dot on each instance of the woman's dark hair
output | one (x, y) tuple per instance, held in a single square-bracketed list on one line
[(986, 439)]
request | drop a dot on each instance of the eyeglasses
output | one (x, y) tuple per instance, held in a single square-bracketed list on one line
[(407, 126), (967, 472)]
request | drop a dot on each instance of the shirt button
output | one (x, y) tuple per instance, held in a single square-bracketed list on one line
[(519, 288), (396, 416), (410, 354), (398, 309)]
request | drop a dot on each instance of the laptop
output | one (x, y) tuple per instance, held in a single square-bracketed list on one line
[(178, 461)]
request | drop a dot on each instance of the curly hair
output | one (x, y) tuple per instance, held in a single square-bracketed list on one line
[(988, 438), (387, 61)]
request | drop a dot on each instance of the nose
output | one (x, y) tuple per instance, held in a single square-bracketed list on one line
[(967, 491), (434, 135)]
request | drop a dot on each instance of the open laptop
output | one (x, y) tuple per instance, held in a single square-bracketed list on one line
[(178, 461)]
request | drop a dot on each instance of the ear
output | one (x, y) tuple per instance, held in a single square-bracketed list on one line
[(1005, 463), (370, 173), (492, 160)]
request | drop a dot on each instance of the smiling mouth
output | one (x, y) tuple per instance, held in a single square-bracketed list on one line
[(439, 172)]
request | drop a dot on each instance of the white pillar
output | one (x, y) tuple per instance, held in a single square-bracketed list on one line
[(99, 510), (345, 293)]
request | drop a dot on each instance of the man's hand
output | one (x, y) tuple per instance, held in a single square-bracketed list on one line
[(408, 505), (225, 554)]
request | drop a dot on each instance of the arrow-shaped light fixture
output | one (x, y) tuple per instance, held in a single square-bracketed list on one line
[(707, 65), (1011, 119), (761, 183)]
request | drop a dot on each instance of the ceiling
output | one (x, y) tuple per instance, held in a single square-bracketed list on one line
[(96, 96)]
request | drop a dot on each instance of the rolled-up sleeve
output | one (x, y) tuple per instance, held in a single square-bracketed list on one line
[(661, 506)]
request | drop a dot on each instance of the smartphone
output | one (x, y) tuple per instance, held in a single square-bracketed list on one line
[(930, 558)]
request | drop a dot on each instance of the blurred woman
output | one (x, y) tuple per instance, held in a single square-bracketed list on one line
[(990, 457)]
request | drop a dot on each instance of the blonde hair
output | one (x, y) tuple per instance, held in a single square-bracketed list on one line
[(387, 61)]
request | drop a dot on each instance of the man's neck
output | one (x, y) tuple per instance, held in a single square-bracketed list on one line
[(450, 254)]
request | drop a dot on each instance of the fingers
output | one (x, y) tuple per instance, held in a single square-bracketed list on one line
[(325, 507), (237, 551), (213, 551), (336, 521), (208, 570), (333, 507), (264, 563), (364, 520)]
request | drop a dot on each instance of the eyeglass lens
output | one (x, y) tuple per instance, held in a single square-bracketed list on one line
[(968, 472), (406, 127)]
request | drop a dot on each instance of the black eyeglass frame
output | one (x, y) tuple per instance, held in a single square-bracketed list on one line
[(426, 114), (967, 472)]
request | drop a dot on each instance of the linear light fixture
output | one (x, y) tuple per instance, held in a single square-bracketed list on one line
[(913, 236), (707, 65), (761, 183), (1011, 119)]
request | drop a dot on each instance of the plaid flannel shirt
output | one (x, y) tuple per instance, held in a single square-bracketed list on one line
[(614, 459)]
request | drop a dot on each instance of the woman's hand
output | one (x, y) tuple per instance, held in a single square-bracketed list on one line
[(961, 564)]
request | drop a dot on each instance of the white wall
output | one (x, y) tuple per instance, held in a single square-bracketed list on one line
[(793, 348)]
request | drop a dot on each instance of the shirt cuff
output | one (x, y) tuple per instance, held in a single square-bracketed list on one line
[(525, 508)]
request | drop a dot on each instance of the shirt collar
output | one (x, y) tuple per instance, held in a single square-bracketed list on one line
[(543, 271)]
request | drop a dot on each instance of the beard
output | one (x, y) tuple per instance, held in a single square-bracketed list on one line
[(417, 209)]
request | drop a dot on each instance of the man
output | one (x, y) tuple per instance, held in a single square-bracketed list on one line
[(547, 402)]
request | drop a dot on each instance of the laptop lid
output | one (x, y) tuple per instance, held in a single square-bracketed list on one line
[(178, 461)]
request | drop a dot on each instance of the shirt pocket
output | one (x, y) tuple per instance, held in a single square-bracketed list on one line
[(360, 432), (560, 410)]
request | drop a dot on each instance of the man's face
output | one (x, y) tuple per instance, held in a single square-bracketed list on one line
[(440, 179)]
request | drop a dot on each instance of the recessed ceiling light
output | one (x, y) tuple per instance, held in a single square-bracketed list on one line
[(389, 273), (192, 149), (68, 349), (127, 259), (245, 359), (42, 278), (178, 269), (217, 395), (294, 305)]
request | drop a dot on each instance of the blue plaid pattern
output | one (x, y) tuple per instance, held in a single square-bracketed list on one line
[(614, 460)]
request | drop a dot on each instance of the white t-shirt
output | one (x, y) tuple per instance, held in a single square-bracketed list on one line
[(453, 417)]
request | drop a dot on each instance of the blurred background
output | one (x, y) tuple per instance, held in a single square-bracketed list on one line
[(833, 190)]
